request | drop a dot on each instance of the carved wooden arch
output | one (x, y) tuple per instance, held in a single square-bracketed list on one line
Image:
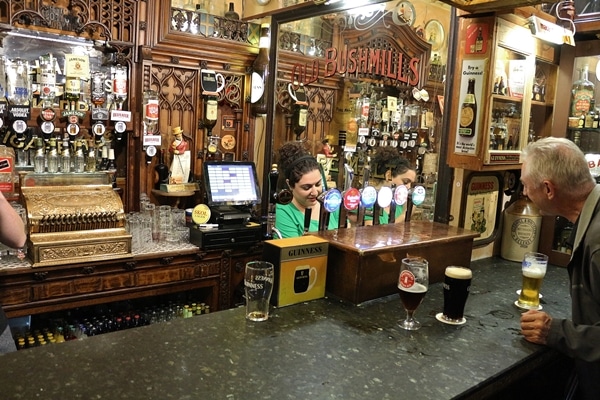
[(400, 39)]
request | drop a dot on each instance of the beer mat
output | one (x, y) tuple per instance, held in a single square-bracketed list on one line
[(519, 293), (440, 317), (527, 308)]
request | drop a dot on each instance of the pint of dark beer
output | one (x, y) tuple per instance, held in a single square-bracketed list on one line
[(457, 283)]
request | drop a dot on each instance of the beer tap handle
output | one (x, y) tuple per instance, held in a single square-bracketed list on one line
[(392, 215), (360, 219), (307, 216), (409, 206)]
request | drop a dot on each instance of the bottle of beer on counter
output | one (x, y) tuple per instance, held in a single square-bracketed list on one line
[(468, 112), (260, 73), (590, 116)]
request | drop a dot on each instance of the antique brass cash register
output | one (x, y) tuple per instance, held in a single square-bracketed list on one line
[(73, 218)]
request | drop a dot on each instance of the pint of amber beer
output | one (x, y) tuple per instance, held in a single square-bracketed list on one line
[(457, 283), (534, 269)]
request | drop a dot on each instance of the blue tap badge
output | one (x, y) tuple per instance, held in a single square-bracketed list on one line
[(368, 196), (332, 200), (418, 195), (384, 197)]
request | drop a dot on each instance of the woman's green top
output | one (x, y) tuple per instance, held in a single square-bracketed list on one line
[(384, 217), (289, 221)]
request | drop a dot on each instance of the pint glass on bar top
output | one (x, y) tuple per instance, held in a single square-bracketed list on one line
[(534, 269), (457, 283)]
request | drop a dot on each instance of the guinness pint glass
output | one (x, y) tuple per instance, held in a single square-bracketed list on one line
[(457, 283), (534, 269)]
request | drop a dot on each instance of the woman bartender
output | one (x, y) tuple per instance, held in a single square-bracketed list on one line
[(303, 177), (396, 170)]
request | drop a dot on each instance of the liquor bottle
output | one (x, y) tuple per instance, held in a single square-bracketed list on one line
[(79, 158), (65, 158), (120, 85), (72, 90), (92, 158), (260, 74), (231, 14), (53, 157), (98, 94), (104, 160), (162, 171), (111, 167), (39, 161), (151, 112), (468, 113), (581, 94), (300, 111), (590, 116), (47, 79), (211, 110), (479, 41), (596, 122)]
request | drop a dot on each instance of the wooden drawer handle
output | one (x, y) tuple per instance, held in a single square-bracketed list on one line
[(88, 270), (166, 260)]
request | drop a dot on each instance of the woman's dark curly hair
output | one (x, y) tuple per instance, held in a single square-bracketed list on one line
[(295, 161), (389, 158)]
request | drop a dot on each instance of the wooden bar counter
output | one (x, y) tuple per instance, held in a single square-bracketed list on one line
[(364, 262), (322, 349)]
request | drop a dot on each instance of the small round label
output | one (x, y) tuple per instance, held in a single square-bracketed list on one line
[(47, 127), (120, 126), (406, 279), (384, 197), (73, 119), (72, 129), (201, 214), (401, 195), (48, 114), (351, 199), (368, 196), (151, 151), (99, 129), (418, 195), (19, 126), (332, 200)]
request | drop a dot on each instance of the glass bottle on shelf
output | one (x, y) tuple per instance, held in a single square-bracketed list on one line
[(231, 14), (260, 73), (211, 109), (65, 158), (590, 116), (79, 158), (111, 167), (581, 94), (53, 157), (92, 159), (39, 161)]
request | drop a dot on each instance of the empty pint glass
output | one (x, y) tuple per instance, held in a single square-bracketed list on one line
[(258, 281), (457, 284), (534, 269)]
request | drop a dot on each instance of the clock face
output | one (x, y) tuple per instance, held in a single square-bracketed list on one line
[(228, 142)]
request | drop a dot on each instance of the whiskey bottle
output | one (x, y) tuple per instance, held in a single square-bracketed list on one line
[(211, 109), (468, 112), (65, 158), (590, 116), (72, 90), (479, 41), (260, 74), (581, 94)]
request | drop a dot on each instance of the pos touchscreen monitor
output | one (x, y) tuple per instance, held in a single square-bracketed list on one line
[(231, 183)]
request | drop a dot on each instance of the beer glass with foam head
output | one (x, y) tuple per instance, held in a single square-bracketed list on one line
[(413, 283), (534, 269), (457, 283)]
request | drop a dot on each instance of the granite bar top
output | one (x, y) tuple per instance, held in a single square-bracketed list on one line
[(323, 349)]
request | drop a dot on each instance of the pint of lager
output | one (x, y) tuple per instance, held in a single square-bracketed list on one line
[(457, 283), (534, 269)]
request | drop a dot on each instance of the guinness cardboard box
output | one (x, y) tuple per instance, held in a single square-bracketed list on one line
[(300, 268)]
